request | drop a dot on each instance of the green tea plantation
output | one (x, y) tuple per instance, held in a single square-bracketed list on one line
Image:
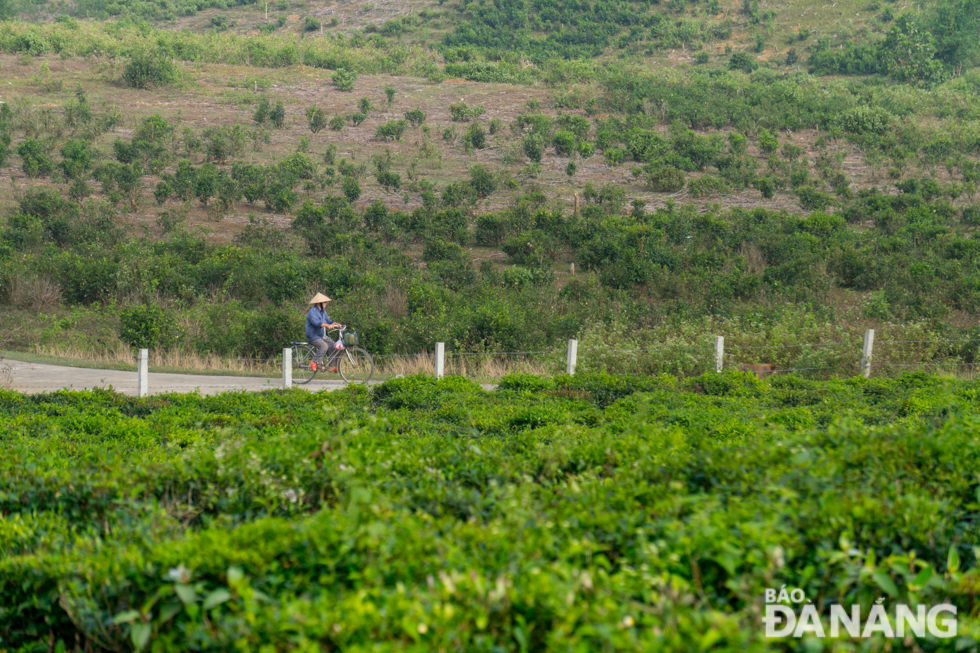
[(585, 513)]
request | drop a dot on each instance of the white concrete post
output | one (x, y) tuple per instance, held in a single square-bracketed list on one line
[(287, 368), (866, 352), (141, 373), (440, 359), (572, 357), (719, 353)]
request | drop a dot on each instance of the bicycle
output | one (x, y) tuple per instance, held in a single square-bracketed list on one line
[(355, 365)]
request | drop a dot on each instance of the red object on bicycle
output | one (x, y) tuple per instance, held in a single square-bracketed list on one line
[(313, 365)]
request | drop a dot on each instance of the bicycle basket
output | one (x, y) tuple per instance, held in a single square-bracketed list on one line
[(350, 339)]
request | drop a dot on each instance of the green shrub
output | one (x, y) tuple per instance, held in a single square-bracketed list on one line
[(766, 186), (864, 120), (285, 281), (277, 115), (262, 111), (390, 181), (483, 181), (812, 199), (311, 24), (437, 249), (352, 189), (742, 61), (462, 112), (532, 247), (971, 216), (646, 145), (222, 143), (270, 330), (533, 147), (80, 190), (376, 217), (316, 119), (149, 70), (615, 155), (289, 485), (415, 117), (162, 192), (78, 159), (344, 80), (490, 229), (36, 162), (149, 326), (665, 179), (706, 185), (564, 143), (475, 137), (391, 130), (767, 141), (279, 195)]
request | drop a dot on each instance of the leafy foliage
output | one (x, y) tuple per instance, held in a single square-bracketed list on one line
[(149, 326), (344, 80), (146, 70), (213, 516)]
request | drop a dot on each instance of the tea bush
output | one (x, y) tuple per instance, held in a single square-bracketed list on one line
[(344, 80), (146, 70), (430, 514), (149, 327), (36, 162)]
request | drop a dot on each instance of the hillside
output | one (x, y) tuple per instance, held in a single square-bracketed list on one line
[(731, 163)]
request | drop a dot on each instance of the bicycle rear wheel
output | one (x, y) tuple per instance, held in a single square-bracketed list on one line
[(356, 365), (303, 371)]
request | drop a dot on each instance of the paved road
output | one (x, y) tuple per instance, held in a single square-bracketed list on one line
[(33, 378)]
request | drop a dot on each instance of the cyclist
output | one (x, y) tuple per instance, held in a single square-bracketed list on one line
[(316, 321)]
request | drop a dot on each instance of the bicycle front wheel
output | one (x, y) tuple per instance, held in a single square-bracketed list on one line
[(303, 371), (356, 365)]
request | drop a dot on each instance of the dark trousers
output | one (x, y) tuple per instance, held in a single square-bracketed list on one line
[(324, 345)]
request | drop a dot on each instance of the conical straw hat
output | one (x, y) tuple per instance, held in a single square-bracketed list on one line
[(320, 297)]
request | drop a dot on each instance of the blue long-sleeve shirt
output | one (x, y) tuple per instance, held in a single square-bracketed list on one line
[(314, 319)]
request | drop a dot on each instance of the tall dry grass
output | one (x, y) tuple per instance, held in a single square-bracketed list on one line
[(479, 366), (177, 359), (6, 374), (34, 292)]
